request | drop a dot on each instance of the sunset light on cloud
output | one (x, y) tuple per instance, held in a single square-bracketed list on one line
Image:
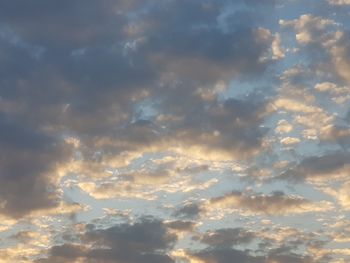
[(175, 131)]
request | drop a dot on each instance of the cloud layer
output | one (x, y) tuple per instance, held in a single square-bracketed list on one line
[(194, 131)]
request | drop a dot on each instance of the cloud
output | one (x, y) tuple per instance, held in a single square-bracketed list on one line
[(275, 248), (172, 102), (144, 241), (227, 256), (325, 43), (339, 49), (290, 141), (30, 166), (189, 210), (339, 94), (284, 127), (69, 24), (87, 76), (309, 28), (238, 256), (339, 2), (227, 237), (341, 194), (339, 134), (214, 133), (171, 176), (277, 203), (291, 258), (295, 106), (82, 68), (179, 225), (330, 166)]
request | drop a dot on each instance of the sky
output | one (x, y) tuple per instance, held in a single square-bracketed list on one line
[(175, 131)]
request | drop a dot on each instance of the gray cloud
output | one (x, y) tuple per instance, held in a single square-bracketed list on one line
[(28, 164), (273, 245), (284, 255), (322, 166), (337, 133), (82, 68), (230, 255), (144, 241), (70, 24), (227, 256), (189, 210), (276, 203), (121, 78), (181, 225), (227, 237)]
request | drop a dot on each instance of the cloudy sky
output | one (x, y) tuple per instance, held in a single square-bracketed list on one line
[(175, 131)]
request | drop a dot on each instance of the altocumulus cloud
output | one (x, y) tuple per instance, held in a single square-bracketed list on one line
[(114, 110)]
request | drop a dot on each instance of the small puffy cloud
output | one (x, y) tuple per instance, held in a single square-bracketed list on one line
[(339, 94), (295, 106), (289, 141), (332, 88), (283, 126), (277, 50), (300, 104), (309, 28)]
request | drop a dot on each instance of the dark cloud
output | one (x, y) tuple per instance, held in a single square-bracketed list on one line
[(230, 255), (227, 256), (324, 166), (274, 245), (227, 237), (284, 255), (181, 225), (277, 203), (71, 24), (230, 128), (337, 134), (145, 241), (186, 41), (82, 67), (29, 161), (189, 210)]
